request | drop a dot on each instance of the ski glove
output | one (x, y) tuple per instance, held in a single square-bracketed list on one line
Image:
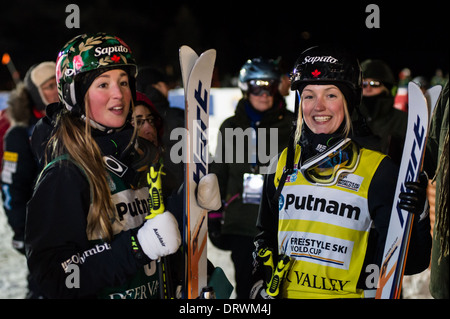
[(414, 200), (159, 236), (208, 192)]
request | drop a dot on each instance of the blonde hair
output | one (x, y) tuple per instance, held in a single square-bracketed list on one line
[(347, 119), (73, 137)]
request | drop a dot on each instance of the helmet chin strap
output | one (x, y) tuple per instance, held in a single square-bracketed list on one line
[(102, 127), (291, 144)]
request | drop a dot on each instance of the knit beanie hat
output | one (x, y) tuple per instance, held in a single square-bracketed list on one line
[(378, 70), (37, 75)]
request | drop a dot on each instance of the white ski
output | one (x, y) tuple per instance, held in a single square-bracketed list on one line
[(197, 75), (397, 241)]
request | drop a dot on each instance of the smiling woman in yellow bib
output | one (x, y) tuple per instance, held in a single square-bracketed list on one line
[(327, 199)]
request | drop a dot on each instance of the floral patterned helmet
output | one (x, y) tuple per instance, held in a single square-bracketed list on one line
[(87, 53)]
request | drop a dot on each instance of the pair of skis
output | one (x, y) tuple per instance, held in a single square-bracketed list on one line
[(197, 74), (396, 248)]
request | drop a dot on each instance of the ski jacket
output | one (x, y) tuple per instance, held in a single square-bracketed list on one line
[(334, 233), (387, 123), (64, 259), (19, 168), (240, 217)]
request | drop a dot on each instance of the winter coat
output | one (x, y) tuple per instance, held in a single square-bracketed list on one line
[(387, 123), (19, 169), (65, 261), (240, 218)]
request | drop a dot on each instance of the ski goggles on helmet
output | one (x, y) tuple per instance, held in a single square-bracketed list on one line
[(259, 87), (325, 168)]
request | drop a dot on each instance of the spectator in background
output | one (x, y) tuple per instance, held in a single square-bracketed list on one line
[(153, 83), (148, 121), (262, 107), (385, 122), (401, 96), (26, 105)]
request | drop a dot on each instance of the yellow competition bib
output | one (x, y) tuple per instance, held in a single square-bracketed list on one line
[(325, 229)]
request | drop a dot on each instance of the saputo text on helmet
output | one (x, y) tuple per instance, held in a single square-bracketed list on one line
[(314, 59), (108, 50)]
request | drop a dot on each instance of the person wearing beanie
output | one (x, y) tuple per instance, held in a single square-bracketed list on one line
[(147, 119), (41, 85), (379, 75), (153, 83), (26, 105), (385, 122), (150, 126), (326, 202)]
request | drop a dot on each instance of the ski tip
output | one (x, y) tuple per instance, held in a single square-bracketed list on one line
[(209, 55), (435, 90), (211, 52), (185, 49), (413, 86)]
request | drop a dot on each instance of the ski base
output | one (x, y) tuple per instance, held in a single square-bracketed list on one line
[(197, 76), (400, 225)]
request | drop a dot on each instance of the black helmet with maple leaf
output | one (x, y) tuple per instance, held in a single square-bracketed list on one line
[(85, 57), (321, 66), (329, 65)]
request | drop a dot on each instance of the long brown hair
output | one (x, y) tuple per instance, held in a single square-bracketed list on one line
[(73, 137)]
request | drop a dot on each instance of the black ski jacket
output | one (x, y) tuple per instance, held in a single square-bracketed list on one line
[(64, 261), (19, 169)]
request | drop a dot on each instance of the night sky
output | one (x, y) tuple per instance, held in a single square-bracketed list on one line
[(410, 35)]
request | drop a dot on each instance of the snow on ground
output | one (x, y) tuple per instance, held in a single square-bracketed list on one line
[(13, 267)]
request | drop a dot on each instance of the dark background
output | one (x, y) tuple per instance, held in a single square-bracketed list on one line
[(411, 34)]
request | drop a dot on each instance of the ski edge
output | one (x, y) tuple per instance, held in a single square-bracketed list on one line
[(189, 61)]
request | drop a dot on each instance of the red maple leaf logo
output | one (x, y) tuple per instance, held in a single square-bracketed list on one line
[(115, 58), (316, 73)]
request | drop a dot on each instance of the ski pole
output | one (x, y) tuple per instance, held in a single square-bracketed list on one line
[(156, 206), (155, 199), (266, 256), (278, 276)]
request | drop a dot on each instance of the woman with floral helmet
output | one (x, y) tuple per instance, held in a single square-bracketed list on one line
[(327, 201), (86, 222)]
